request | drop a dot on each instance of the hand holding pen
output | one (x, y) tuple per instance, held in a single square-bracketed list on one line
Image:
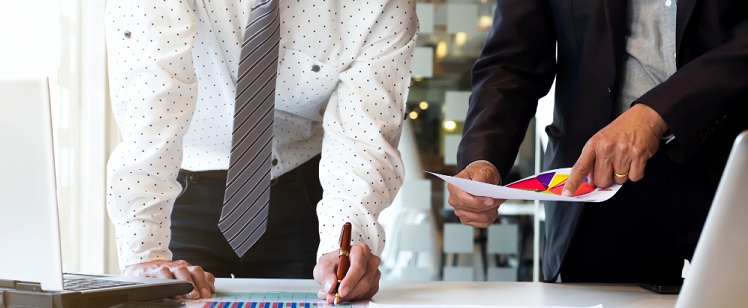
[(351, 276)]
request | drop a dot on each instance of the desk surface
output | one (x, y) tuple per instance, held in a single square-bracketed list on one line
[(478, 293)]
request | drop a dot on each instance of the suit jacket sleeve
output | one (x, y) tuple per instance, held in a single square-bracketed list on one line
[(709, 92), (515, 69)]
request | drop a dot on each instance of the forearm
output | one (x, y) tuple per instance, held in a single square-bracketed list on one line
[(516, 68), (153, 94)]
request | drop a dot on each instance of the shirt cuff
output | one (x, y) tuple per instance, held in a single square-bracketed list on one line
[(668, 137)]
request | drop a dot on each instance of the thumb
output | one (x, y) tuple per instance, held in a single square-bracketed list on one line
[(483, 172)]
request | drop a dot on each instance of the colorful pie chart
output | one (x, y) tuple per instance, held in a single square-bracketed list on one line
[(551, 183)]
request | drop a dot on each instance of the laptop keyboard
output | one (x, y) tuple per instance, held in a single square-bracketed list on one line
[(82, 284)]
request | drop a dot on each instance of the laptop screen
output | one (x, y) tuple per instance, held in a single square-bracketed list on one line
[(718, 276), (29, 227)]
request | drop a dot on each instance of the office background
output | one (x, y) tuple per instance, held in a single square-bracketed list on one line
[(64, 39)]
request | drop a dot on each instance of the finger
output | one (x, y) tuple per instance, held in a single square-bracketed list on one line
[(136, 270), (581, 169), (479, 172), (325, 274), (162, 272), (620, 168), (366, 288), (328, 288), (182, 273), (478, 219), (212, 281), (459, 198), (200, 280), (180, 263), (359, 257), (620, 177), (603, 171), (636, 170), (371, 285), (370, 278), (622, 164)]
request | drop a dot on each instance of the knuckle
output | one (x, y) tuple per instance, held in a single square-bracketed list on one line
[(464, 220), (460, 213), (360, 249), (180, 268), (375, 260), (196, 268), (162, 270), (181, 263)]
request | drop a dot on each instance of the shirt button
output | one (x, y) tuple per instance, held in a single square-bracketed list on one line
[(668, 2), (127, 34), (274, 162), (315, 68)]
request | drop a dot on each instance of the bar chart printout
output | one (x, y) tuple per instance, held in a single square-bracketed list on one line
[(264, 300)]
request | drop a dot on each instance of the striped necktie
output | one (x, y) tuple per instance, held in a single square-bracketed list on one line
[(245, 207)]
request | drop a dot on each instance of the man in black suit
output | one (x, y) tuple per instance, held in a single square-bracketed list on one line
[(658, 84)]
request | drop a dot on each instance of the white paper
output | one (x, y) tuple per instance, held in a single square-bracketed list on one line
[(502, 192)]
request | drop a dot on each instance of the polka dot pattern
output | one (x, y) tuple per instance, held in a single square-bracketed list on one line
[(343, 77)]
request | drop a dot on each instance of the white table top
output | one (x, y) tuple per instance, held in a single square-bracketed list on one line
[(443, 294)]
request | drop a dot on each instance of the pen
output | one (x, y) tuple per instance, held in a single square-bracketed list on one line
[(343, 261)]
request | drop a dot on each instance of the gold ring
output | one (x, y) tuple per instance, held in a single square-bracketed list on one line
[(621, 175)]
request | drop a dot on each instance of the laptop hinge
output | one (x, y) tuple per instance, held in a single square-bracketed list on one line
[(20, 285)]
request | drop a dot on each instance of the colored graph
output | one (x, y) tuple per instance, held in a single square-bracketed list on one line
[(551, 182), (260, 305), (263, 300)]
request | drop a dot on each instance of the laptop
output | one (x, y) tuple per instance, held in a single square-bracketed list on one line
[(718, 275), (30, 258)]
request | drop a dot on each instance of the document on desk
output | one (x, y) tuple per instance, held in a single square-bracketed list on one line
[(264, 300), (377, 305), (544, 186)]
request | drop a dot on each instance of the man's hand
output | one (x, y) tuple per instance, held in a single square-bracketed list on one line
[(361, 281), (203, 281), (619, 152), (472, 210)]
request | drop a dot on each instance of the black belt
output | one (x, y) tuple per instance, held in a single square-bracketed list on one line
[(311, 167)]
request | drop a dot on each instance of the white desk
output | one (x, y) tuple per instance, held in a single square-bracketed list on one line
[(477, 293)]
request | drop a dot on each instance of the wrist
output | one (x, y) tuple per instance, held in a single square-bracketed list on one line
[(655, 122)]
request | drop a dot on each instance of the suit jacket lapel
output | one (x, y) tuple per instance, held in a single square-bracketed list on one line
[(685, 8), (615, 15)]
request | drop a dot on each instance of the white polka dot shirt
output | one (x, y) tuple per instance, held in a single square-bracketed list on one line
[(343, 77)]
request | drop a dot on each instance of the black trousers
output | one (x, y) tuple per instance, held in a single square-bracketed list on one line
[(645, 231), (288, 247)]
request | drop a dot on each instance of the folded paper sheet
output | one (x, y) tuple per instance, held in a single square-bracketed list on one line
[(544, 186)]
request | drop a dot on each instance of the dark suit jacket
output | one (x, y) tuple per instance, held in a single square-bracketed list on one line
[(703, 103)]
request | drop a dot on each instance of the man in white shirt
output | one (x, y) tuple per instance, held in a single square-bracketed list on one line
[(342, 84)]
